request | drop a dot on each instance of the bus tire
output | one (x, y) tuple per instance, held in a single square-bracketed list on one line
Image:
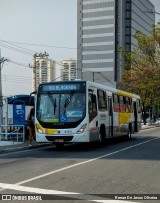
[(102, 134)]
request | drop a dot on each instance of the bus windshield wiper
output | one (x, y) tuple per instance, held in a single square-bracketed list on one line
[(67, 101), (53, 101), (55, 105)]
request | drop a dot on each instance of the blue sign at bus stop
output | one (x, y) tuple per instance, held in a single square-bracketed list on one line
[(18, 114)]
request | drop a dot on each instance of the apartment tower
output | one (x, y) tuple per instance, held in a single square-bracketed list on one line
[(69, 69), (43, 70)]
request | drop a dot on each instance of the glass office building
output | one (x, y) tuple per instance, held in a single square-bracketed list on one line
[(103, 26)]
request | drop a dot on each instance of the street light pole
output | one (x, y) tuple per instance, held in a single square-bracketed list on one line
[(151, 11)]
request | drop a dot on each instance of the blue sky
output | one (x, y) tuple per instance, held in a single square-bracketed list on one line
[(47, 22)]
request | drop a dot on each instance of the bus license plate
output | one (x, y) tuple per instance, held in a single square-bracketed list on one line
[(59, 140)]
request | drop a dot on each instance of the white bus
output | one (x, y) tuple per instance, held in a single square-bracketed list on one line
[(104, 112)]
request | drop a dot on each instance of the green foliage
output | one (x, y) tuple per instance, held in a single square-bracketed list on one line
[(141, 73)]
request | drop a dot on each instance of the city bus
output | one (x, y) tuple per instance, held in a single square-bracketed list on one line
[(105, 112)]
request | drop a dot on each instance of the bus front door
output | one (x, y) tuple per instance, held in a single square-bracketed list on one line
[(135, 117)]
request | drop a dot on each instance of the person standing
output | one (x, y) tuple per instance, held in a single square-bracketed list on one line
[(31, 125)]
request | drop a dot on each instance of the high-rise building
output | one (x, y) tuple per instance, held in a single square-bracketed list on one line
[(43, 70), (103, 26), (69, 69)]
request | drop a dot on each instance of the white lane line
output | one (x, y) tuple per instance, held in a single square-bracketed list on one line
[(33, 190), (40, 191), (112, 201), (83, 162)]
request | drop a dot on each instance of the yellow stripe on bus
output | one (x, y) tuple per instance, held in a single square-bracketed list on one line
[(123, 93), (46, 131), (124, 118), (51, 131)]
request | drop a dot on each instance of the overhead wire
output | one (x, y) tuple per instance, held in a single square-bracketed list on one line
[(49, 46), (15, 49), (16, 76), (30, 52), (18, 63), (17, 46), (7, 78), (40, 45), (21, 51)]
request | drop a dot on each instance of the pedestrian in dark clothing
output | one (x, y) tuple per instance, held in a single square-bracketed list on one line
[(31, 125)]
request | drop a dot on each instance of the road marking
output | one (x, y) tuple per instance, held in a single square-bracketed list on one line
[(83, 162), (33, 190), (44, 191), (63, 194)]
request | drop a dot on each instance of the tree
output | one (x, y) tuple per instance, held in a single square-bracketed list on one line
[(141, 73)]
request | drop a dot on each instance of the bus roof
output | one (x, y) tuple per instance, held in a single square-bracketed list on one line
[(112, 89)]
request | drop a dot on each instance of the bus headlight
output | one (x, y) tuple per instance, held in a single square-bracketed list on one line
[(81, 130), (38, 129)]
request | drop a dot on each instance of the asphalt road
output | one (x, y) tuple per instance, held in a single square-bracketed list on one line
[(119, 169)]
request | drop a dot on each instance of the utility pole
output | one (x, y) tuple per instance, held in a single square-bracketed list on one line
[(34, 69), (2, 60), (35, 56)]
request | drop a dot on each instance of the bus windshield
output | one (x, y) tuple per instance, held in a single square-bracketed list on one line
[(61, 107)]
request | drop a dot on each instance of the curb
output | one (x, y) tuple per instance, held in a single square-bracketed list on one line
[(146, 128)]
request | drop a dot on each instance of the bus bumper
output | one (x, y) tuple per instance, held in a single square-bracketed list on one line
[(72, 138)]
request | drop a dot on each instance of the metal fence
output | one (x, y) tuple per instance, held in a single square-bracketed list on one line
[(12, 133)]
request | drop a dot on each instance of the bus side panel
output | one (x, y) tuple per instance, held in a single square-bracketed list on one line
[(110, 118), (92, 113), (93, 130)]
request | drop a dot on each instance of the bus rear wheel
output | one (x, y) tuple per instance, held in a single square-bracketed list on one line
[(102, 134)]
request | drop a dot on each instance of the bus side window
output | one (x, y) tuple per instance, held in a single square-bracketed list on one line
[(122, 104), (128, 107), (116, 103), (92, 106), (102, 103), (139, 106), (131, 104)]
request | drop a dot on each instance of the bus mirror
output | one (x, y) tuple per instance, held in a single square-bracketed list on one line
[(35, 92)]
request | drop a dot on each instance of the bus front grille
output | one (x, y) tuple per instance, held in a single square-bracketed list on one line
[(64, 138)]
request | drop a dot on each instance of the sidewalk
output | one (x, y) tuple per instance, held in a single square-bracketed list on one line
[(10, 146), (147, 126)]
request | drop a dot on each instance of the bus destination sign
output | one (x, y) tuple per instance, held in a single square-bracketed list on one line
[(60, 87)]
